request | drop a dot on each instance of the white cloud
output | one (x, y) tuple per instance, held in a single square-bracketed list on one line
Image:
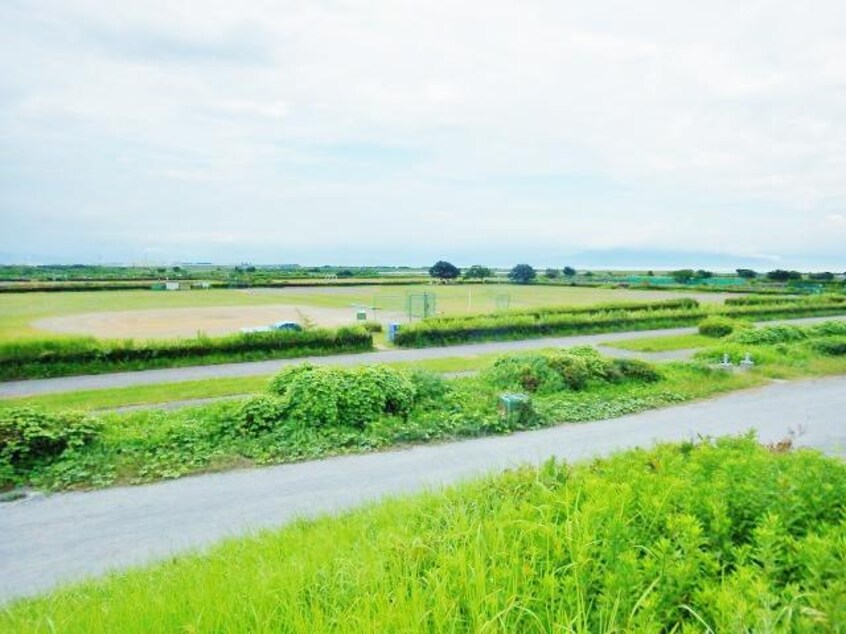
[(721, 122)]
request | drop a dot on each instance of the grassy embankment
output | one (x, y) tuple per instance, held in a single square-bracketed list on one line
[(337, 411), (724, 536), (324, 416)]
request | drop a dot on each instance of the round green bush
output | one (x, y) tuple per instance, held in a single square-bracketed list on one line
[(258, 414), (832, 346), (282, 379), (636, 370), (428, 386), (570, 369), (29, 436), (717, 327), (332, 396)]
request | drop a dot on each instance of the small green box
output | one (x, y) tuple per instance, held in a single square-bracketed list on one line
[(511, 404)]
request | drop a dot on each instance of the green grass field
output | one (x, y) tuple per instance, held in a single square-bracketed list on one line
[(664, 343), (723, 536), (18, 311)]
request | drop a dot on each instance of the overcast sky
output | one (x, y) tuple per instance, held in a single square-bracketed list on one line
[(392, 132)]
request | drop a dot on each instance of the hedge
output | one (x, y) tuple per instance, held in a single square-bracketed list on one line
[(750, 300), (596, 319), (540, 311), (69, 356)]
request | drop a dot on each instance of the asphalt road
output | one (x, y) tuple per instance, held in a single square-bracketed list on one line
[(65, 537), (192, 373)]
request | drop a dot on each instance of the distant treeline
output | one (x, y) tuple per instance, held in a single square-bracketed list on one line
[(225, 274)]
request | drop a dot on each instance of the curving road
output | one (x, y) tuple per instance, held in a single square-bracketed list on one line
[(192, 373), (66, 537)]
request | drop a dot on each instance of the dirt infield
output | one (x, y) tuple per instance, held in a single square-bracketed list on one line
[(187, 322)]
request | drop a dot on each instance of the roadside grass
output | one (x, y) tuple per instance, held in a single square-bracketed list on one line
[(110, 398), (87, 400), (714, 536), (663, 343), (19, 310), (783, 361)]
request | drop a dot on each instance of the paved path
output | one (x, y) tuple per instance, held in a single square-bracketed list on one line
[(253, 368), (68, 536), (193, 373)]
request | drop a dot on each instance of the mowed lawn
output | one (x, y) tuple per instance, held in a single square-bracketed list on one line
[(18, 311)]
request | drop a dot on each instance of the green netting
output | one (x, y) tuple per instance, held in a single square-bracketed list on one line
[(420, 305)]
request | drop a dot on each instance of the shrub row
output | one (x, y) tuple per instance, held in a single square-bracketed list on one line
[(784, 333), (718, 326), (445, 331), (437, 332), (750, 300), (539, 312), (26, 358)]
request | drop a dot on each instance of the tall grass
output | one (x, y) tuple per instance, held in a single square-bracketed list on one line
[(724, 536)]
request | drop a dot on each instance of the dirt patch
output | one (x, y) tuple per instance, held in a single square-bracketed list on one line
[(187, 322)]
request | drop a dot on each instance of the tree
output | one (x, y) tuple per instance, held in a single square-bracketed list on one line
[(478, 272), (747, 274), (444, 270), (780, 275), (702, 274), (683, 276), (650, 274), (552, 274), (822, 277), (569, 271), (522, 274)]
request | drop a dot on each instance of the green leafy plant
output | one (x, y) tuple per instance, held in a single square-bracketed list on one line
[(332, 396), (832, 346), (29, 437), (569, 369), (258, 414)]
